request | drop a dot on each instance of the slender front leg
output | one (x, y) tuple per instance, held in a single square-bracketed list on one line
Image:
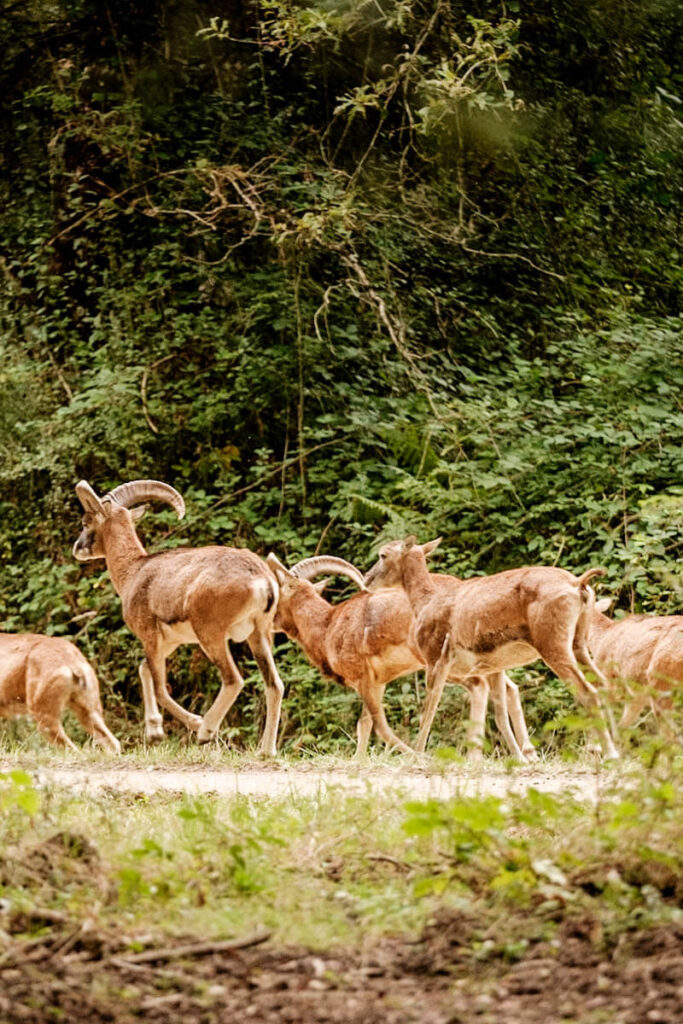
[(478, 689), (436, 680), (156, 665), (261, 649), (154, 724)]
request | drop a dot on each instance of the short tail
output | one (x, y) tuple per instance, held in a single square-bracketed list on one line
[(582, 581), (446, 652)]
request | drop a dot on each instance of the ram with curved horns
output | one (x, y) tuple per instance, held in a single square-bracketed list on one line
[(367, 641), (204, 596)]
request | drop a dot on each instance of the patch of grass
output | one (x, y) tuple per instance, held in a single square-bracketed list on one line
[(338, 868)]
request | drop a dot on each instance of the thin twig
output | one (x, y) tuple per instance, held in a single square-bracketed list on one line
[(143, 389), (400, 864), (192, 949)]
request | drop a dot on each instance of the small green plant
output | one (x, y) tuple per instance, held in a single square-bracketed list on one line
[(18, 793)]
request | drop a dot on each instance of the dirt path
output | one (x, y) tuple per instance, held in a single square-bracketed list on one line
[(268, 781)]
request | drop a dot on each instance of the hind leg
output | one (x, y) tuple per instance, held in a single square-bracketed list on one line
[(560, 659), (499, 695), (372, 699), (363, 730), (518, 720), (478, 691), (231, 685), (53, 730), (46, 701), (92, 721), (261, 649), (584, 658)]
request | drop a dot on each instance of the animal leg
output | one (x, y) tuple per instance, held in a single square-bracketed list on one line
[(436, 680), (154, 724), (500, 693), (661, 709), (261, 649), (363, 730), (560, 659), (231, 685), (632, 709), (478, 690), (53, 730), (156, 664), (46, 699), (659, 705), (518, 720), (584, 658), (93, 722), (372, 699)]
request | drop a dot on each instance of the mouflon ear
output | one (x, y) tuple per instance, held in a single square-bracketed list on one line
[(88, 498), (603, 604), (282, 573), (409, 542), (138, 512), (320, 585), (430, 546)]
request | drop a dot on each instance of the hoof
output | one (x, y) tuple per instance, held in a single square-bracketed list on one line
[(154, 733), (194, 723), (266, 755), (205, 735), (530, 755)]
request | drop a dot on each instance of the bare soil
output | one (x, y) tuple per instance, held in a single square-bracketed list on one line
[(79, 976)]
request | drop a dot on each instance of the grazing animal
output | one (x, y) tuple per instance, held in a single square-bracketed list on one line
[(645, 652), (43, 676), (487, 624), (204, 596), (366, 642)]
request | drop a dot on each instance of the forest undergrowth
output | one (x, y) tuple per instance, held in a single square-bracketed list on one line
[(474, 896)]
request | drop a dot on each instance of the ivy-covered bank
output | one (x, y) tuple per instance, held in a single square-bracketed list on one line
[(338, 272)]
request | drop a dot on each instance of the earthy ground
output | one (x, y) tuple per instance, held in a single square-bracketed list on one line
[(72, 972), (77, 976)]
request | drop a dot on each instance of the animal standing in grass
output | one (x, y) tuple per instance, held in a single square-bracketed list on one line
[(206, 596), (44, 676)]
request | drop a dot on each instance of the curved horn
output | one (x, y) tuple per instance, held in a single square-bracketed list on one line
[(137, 491), (88, 498), (310, 567)]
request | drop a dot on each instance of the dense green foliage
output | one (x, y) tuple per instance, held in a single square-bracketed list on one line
[(339, 271)]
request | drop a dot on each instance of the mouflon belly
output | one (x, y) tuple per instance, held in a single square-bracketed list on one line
[(511, 654)]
